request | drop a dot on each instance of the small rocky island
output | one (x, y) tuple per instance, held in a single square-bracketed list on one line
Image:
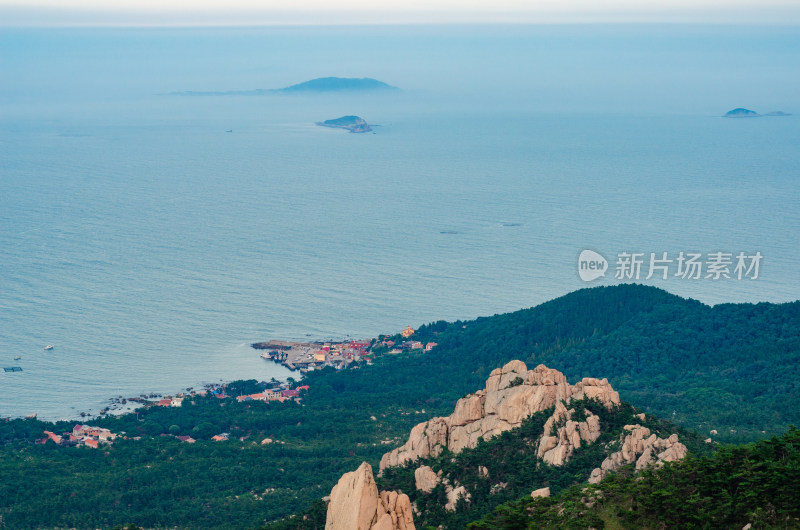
[(354, 124)]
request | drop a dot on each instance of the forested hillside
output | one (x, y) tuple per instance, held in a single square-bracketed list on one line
[(727, 368), (755, 485)]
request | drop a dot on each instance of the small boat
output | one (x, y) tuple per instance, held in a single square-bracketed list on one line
[(49, 347), (17, 358)]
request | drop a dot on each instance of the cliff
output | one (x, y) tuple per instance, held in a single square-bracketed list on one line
[(512, 394)]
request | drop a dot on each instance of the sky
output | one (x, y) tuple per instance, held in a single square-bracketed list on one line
[(15, 13)]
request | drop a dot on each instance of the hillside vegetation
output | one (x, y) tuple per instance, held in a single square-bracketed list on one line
[(754, 484), (731, 368)]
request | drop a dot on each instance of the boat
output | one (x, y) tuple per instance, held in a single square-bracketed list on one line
[(17, 358), (49, 347)]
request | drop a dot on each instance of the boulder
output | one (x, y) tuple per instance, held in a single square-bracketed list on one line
[(541, 492), (426, 479)]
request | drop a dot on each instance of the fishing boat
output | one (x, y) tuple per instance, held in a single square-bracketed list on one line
[(49, 347)]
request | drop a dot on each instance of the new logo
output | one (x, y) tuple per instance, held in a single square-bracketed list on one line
[(591, 265)]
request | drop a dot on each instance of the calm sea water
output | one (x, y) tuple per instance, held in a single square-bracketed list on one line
[(150, 246)]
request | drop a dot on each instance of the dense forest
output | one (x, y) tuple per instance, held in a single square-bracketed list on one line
[(754, 484), (730, 368)]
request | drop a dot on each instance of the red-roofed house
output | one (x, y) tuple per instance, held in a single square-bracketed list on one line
[(430, 346), (53, 436), (91, 443)]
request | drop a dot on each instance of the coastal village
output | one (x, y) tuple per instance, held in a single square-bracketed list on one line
[(94, 437), (302, 356), (309, 356)]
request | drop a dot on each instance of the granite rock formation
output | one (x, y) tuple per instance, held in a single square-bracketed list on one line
[(641, 447), (356, 504), (512, 394)]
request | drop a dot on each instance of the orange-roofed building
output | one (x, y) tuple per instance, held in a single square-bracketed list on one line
[(53, 436), (430, 346), (91, 443), (407, 332)]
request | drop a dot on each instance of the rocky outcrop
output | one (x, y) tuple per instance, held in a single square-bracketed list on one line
[(541, 492), (425, 479), (641, 447), (558, 448), (512, 394), (355, 504), (454, 495)]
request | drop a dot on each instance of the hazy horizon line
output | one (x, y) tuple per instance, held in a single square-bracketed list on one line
[(14, 16)]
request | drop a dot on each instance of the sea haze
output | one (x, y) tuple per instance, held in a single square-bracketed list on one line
[(151, 246)]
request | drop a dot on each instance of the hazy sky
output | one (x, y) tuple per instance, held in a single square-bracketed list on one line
[(277, 12)]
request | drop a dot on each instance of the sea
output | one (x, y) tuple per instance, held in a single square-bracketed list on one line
[(152, 237)]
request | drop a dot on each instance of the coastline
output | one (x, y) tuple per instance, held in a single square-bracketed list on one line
[(121, 404)]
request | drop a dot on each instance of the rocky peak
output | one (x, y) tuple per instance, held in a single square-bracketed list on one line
[(356, 504), (512, 394)]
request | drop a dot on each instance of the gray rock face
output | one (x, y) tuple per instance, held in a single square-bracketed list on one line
[(512, 394), (356, 504)]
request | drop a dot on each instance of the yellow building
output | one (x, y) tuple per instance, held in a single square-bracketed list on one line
[(407, 332), (319, 356)]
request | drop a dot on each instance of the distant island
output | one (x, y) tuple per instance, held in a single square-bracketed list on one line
[(339, 84), (318, 85), (747, 113), (354, 124)]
